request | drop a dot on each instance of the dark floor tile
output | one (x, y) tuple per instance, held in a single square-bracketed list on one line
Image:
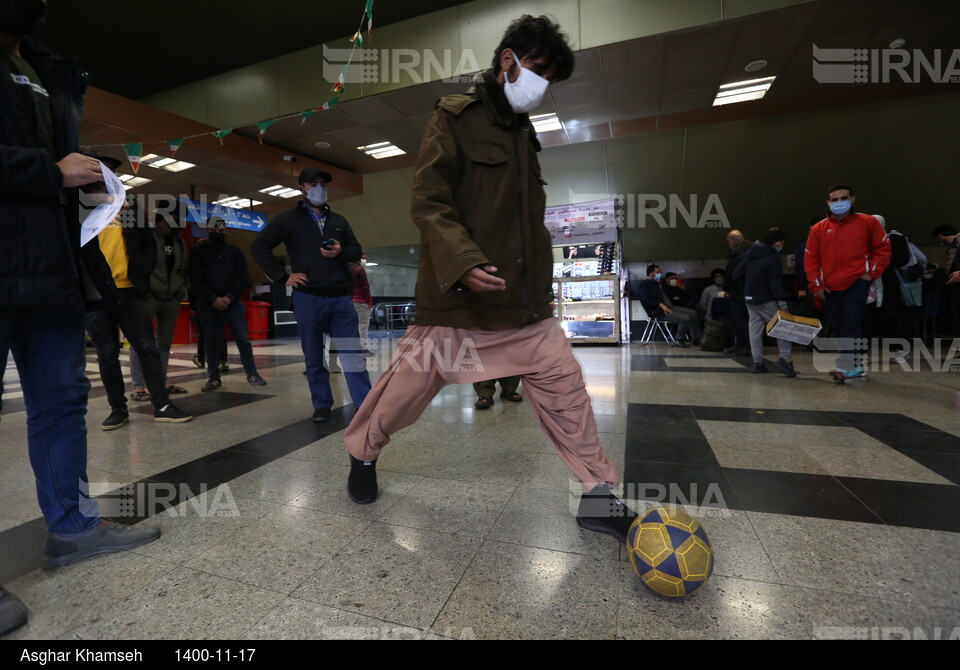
[(672, 483), (802, 417), (915, 440), (663, 429), (945, 465), (20, 549), (931, 506), (640, 363), (652, 412), (743, 414), (819, 496), (670, 450), (882, 421)]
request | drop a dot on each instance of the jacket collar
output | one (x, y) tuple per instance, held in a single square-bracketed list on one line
[(491, 94)]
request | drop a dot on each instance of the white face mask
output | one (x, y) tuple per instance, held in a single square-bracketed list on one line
[(317, 195), (527, 91)]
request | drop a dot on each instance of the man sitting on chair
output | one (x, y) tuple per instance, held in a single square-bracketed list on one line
[(657, 305)]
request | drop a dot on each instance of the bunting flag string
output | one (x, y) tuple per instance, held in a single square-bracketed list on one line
[(134, 151)]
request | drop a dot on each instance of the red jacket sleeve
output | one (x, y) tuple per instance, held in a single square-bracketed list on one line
[(879, 255), (811, 260)]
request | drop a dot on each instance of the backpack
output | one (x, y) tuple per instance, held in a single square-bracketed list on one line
[(717, 335)]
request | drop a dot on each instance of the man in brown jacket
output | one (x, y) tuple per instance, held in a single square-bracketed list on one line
[(485, 282)]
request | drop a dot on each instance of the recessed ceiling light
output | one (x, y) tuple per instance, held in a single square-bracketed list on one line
[(370, 265), (148, 157), (544, 123), (898, 43), (178, 166), (381, 150), (160, 162), (136, 181), (322, 145), (742, 91), (236, 202), (280, 191), (755, 66)]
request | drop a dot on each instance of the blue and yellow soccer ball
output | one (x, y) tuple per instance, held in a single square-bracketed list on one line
[(669, 550)]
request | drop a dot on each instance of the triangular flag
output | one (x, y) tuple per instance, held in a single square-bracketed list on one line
[(331, 103), (263, 125), (338, 87), (307, 114), (134, 151), (220, 134), (357, 40), (369, 11), (174, 145)]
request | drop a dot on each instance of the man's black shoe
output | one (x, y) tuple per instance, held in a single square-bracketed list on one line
[(362, 483), (211, 385), (603, 512), (13, 613), (321, 415), (256, 380), (105, 538), (117, 418), (170, 413)]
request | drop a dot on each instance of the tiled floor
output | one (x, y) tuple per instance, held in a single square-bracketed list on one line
[(834, 511)]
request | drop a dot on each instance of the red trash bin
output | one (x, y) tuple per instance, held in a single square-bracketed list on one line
[(258, 320)]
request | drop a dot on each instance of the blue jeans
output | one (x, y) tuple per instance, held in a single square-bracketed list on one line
[(844, 313), (337, 318), (234, 316), (48, 348)]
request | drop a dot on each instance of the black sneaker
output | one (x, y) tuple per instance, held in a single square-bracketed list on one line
[(13, 613), (603, 512), (758, 368), (211, 385), (256, 380), (786, 367), (197, 361), (224, 367), (172, 414), (117, 418), (321, 415), (362, 482), (105, 538)]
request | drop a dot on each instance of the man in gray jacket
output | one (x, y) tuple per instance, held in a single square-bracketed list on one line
[(168, 287)]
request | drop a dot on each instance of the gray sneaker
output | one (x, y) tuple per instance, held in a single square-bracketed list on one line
[(256, 380), (105, 538), (13, 613)]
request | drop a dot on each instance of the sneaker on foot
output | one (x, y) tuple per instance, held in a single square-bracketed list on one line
[(321, 415), (786, 367), (105, 538), (758, 368), (117, 418), (603, 512), (856, 373), (13, 613), (171, 414), (211, 385), (196, 360), (256, 380), (224, 367), (362, 482)]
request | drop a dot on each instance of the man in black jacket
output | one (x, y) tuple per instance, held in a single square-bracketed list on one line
[(655, 303), (131, 252), (733, 287), (42, 292), (219, 276), (761, 275), (321, 245)]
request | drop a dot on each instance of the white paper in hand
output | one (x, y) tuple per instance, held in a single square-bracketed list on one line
[(104, 213)]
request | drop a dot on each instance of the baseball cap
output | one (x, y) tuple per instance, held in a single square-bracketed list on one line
[(310, 174)]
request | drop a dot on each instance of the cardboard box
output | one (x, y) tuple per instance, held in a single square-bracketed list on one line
[(796, 329)]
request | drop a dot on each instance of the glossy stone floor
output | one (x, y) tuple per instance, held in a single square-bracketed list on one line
[(834, 511)]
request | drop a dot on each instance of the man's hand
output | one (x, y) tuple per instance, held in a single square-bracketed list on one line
[(954, 277), (334, 252), (802, 294), (296, 279), (482, 280), (666, 310), (79, 170), (221, 303), (820, 295), (866, 276)]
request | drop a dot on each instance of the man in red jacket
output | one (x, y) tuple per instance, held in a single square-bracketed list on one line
[(845, 253)]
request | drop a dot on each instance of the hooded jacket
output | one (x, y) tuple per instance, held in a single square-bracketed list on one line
[(762, 275), (478, 199)]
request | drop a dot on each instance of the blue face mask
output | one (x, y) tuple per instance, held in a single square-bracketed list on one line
[(657, 276), (840, 207)]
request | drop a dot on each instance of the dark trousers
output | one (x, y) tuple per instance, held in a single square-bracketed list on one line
[(336, 317), (234, 317), (487, 388), (844, 312), (133, 318), (49, 351)]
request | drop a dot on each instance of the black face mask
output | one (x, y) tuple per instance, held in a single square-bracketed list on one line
[(218, 239), (22, 17)]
